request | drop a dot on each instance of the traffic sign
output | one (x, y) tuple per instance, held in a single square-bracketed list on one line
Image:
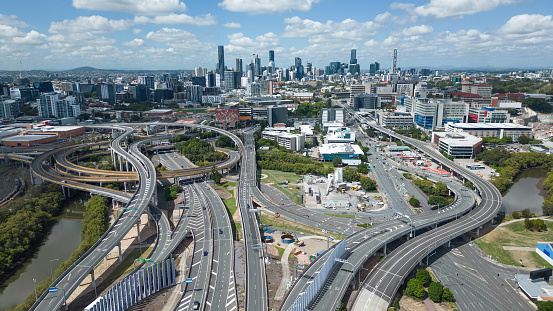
[(130, 208), (52, 289), (341, 260), (144, 260), (188, 281)]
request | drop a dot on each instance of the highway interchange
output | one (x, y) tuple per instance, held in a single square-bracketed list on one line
[(207, 220)]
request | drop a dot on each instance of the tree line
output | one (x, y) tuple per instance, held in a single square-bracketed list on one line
[(25, 223), (288, 162), (94, 225), (200, 152)]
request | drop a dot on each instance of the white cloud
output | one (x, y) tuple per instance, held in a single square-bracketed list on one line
[(93, 24), (415, 31), (11, 20), (136, 31), (134, 43), (31, 38), (232, 25), (528, 29), (179, 40), (402, 6), (458, 8), (204, 20), (9, 31), (266, 6), (138, 7), (388, 17), (346, 30)]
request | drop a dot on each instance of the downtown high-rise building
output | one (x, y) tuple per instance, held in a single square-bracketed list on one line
[(256, 61), (353, 58), (239, 66), (271, 56), (394, 61), (374, 68), (221, 59)]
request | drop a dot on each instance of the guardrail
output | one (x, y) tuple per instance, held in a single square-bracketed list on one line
[(311, 291)]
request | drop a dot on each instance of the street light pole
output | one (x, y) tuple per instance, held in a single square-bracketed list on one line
[(36, 295), (51, 270)]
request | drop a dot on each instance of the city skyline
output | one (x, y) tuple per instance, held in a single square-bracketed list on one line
[(177, 34)]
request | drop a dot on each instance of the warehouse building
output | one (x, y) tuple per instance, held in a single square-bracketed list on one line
[(28, 140)]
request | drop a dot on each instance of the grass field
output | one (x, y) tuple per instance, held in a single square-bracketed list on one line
[(515, 234), (340, 215), (127, 264), (278, 177), (269, 219), (230, 205)]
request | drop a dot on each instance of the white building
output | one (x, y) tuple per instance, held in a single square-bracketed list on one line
[(289, 141), (458, 145), (395, 119), (345, 151), (498, 130)]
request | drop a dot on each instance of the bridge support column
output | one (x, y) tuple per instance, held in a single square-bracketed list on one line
[(449, 244), (31, 175), (127, 164), (138, 229), (120, 163), (120, 255), (478, 231), (167, 129), (93, 281), (125, 183)]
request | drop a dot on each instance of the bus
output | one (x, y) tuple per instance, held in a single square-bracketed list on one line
[(475, 166)]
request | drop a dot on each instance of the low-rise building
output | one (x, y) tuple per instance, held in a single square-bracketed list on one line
[(395, 119), (294, 142), (458, 145), (59, 131), (28, 140), (339, 135), (498, 130), (345, 151)]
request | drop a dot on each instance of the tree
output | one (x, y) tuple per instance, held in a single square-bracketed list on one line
[(435, 291), (528, 224), (468, 184), (424, 277), (438, 200), (516, 215), (415, 289), (414, 201), (215, 176), (263, 124), (396, 305), (447, 295), (362, 169), (441, 189), (523, 139), (368, 184), (525, 213), (224, 142), (337, 161)]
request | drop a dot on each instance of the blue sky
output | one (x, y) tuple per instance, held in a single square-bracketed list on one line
[(175, 34)]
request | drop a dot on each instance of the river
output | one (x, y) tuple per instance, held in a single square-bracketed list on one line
[(526, 192), (64, 238)]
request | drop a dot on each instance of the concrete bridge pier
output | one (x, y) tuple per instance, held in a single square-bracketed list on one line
[(138, 229), (120, 255)]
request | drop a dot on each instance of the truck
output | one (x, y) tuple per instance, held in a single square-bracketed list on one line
[(277, 215)]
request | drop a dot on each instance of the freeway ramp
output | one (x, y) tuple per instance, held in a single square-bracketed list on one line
[(369, 301)]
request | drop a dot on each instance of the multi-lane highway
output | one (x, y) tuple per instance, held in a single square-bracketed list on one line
[(256, 280), (73, 276), (383, 281)]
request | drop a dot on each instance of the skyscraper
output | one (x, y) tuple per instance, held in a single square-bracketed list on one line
[(256, 61), (221, 63), (297, 62), (394, 61), (374, 68), (353, 58), (271, 56), (239, 67)]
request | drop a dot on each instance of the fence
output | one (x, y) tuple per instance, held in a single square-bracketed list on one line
[(136, 287), (311, 291)]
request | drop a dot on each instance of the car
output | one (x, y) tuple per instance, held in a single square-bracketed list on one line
[(196, 305), (306, 215), (205, 253), (220, 231), (63, 181)]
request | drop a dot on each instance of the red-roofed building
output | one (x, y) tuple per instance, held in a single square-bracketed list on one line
[(516, 97)]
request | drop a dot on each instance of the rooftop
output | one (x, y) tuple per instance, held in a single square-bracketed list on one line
[(458, 139), (340, 148), (27, 137), (498, 126)]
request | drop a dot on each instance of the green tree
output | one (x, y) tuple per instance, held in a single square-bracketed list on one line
[(224, 142), (215, 176), (435, 291), (424, 277), (438, 200), (415, 289), (414, 201), (528, 224), (447, 295), (523, 139), (441, 189), (396, 305), (362, 169), (525, 213), (337, 161), (516, 215), (368, 184), (468, 184)]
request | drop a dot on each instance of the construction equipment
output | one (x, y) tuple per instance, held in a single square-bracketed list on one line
[(277, 215)]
